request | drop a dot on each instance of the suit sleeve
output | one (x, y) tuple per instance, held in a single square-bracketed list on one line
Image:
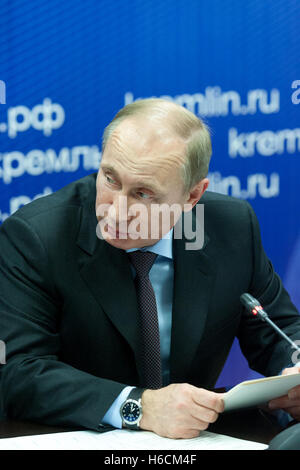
[(264, 349), (35, 384)]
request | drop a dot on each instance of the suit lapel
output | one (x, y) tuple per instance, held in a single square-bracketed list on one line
[(193, 280), (106, 272)]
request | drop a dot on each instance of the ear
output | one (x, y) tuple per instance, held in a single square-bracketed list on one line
[(195, 194)]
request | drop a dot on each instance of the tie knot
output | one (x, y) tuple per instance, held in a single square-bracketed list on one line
[(142, 261)]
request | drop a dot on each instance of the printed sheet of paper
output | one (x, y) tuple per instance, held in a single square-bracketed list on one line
[(125, 440), (257, 392)]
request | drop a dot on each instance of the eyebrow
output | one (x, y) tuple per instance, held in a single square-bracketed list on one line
[(140, 184)]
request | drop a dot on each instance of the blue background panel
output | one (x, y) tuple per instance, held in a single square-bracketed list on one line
[(69, 66)]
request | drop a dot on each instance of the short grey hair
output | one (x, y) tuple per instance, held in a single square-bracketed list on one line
[(184, 123)]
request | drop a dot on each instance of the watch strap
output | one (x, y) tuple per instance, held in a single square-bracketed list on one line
[(136, 393)]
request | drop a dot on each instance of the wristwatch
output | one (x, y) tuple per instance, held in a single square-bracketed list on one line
[(131, 409)]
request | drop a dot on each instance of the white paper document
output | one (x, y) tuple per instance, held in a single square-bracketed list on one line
[(124, 439), (257, 392)]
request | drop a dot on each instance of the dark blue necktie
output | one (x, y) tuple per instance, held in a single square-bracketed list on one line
[(142, 261)]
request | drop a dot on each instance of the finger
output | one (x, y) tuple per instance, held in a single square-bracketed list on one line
[(293, 396), (206, 415), (191, 421), (283, 403), (291, 370), (198, 424), (294, 393), (280, 402), (211, 400)]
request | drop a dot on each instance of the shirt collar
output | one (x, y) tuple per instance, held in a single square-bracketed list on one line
[(163, 247)]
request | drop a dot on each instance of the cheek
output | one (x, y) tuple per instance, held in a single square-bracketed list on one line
[(143, 216), (103, 198)]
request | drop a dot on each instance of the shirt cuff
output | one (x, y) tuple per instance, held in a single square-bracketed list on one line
[(112, 416)]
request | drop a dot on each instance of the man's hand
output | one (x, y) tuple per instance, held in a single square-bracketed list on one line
[(180, 410), (290, 402)]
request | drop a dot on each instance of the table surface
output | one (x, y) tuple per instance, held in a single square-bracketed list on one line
[(253, 425)]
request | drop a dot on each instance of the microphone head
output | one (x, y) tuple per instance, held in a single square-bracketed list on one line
[(249, 302)]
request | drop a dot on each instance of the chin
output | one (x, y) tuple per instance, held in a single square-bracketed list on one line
[(125, 244)]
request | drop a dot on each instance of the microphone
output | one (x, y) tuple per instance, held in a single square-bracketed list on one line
[(253, 306)]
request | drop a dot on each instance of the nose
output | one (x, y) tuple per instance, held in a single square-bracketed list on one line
[(118, 212)]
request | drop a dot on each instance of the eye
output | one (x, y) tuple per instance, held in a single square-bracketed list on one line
[(109, 179), (143, 195)]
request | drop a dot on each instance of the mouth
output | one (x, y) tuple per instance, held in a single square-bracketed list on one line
[(113, 232)]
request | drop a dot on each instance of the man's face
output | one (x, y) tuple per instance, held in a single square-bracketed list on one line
[(139, 174)]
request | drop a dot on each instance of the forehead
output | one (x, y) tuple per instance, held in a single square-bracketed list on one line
[(144, 147)]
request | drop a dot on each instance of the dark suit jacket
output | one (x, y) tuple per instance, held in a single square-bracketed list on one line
[(68, 310)]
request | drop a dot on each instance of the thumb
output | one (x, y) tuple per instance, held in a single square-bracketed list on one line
[(291, 370)]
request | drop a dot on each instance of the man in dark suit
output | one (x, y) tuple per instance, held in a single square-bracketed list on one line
[(71, 299)]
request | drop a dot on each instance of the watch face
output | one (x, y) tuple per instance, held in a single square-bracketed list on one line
[(131, 412)]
